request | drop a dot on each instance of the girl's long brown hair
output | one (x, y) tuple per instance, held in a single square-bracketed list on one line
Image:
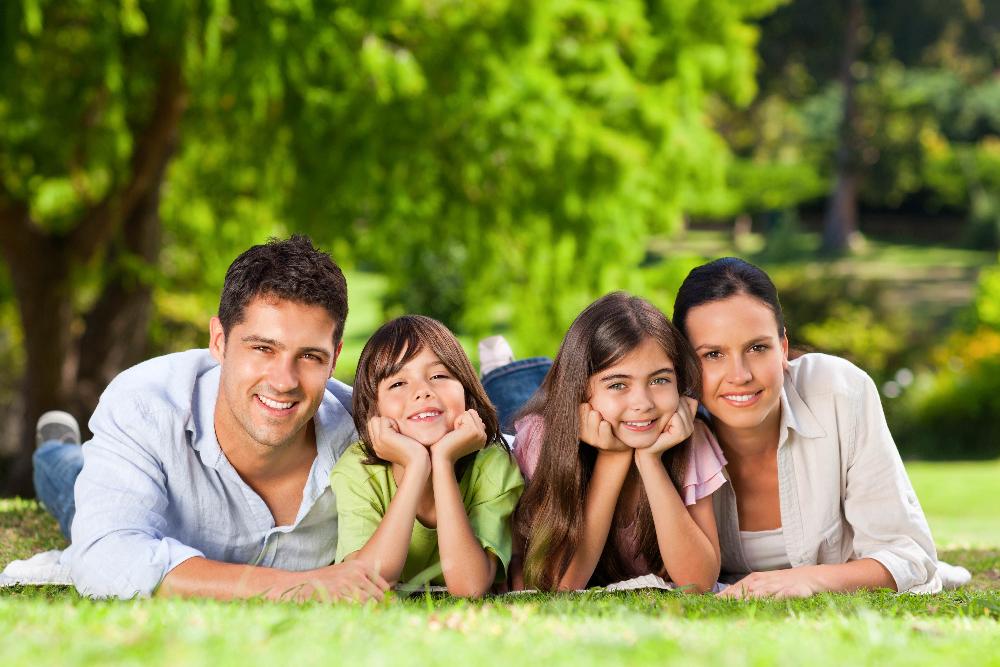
[(393, 345), (549, 519)]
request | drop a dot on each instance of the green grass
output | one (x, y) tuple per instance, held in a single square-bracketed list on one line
[(54, 626)]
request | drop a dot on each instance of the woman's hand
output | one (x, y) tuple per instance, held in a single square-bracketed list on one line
[(469, 435), (798, 582), (596, 432), (391, 445), (678, 429)]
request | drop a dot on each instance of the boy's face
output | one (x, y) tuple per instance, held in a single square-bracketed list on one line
[(275, 364), (424, 398)]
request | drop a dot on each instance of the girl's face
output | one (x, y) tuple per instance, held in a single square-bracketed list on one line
[(424, 398), (638, 395), (743, 359)]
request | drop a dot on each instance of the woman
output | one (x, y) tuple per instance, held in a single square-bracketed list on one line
[(819, 499)]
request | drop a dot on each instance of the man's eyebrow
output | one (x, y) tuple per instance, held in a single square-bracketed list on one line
[(263, 341)]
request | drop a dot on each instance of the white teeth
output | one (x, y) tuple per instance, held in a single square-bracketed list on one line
[(424, 415), (639, 424), (740, 398), (274, 404)]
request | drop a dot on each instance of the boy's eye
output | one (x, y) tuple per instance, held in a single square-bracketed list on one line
[(397, 383), (440, 376)]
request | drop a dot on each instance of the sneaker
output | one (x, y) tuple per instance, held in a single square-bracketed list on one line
[(494, 352), (59, 426)]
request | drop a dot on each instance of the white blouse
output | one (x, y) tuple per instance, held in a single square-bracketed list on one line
[(765, 549)]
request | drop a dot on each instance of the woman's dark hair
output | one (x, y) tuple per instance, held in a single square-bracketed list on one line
[(390, 348), (290, 269), (548, 522), (721, 279)]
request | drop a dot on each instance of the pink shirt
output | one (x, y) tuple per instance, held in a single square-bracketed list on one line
[(702, 475)]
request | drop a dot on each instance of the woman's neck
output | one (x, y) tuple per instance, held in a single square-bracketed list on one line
[(750, 443)]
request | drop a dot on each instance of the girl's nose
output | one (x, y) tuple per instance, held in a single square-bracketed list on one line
[(641, 399)]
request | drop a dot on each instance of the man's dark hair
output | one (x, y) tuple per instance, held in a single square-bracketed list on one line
[(291, 269)]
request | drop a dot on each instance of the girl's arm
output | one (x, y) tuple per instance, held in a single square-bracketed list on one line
[(469, 570), (613, 462), (687, 536), (388, 546)]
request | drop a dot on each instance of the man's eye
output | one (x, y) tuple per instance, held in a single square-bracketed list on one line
[(759, 347)]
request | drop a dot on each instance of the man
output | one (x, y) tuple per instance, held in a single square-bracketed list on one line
[(208, 471)]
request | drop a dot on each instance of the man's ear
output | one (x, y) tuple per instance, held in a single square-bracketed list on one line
[(336, 355), (216, 339)]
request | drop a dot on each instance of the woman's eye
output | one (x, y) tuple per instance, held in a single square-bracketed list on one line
[(714, 354)]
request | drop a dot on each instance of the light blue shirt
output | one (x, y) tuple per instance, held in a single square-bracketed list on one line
[(156, 489)]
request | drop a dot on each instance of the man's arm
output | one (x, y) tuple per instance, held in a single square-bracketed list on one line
[(200, 577)]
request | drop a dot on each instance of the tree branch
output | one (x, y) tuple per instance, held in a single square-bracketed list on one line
[(153, 149)]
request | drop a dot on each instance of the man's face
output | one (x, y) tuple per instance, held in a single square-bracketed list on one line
[(275, 365)]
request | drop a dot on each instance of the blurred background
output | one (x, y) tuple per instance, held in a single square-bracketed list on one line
[(498, 164)]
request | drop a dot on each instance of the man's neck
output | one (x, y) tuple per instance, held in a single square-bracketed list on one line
[(261, 464)]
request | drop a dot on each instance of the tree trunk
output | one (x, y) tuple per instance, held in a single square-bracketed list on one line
[(40, 272), (41, 265), (116, 330), (840, 223)]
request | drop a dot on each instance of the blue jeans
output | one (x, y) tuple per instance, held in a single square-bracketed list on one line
[(56, 468), (509, 387)]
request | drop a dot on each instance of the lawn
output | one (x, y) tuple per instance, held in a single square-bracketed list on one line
[(54, 626)]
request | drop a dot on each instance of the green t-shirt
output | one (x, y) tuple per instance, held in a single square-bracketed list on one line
[(490, 489)]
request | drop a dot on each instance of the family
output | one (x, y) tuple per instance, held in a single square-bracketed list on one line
[(700, 450)]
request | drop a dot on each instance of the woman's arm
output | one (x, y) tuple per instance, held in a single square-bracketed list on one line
[(468, 568), (802, 582)]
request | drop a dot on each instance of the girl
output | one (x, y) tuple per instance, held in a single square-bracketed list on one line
[(430, 487), (614, 490), (819, 499)]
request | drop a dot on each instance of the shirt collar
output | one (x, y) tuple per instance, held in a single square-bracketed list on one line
[(201, 424), (796, 415)]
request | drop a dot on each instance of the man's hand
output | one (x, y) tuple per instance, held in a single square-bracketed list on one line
[(469, 435), (678, 429), (391, 445), (596, 432), (350, 580)]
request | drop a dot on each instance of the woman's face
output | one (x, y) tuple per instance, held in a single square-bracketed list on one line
[(743, 359)]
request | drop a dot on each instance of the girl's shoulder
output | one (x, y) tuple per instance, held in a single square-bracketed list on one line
[(703, 470)]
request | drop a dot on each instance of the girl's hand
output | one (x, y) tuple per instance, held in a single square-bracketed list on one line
[(678, 429), (596, 432), (391, 445), (469, 435), (796, 582)]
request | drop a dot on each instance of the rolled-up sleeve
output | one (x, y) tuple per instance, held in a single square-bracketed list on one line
[(119, 545), (879, 503)]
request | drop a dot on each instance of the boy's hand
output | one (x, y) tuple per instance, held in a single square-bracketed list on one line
[(596, 432), (391, 445), (678, 429), (469, 435)]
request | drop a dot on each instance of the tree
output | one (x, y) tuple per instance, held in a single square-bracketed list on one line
[(476, 153)]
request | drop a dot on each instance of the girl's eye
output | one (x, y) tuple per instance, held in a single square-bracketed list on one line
[(661, 380), (617, 386)]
